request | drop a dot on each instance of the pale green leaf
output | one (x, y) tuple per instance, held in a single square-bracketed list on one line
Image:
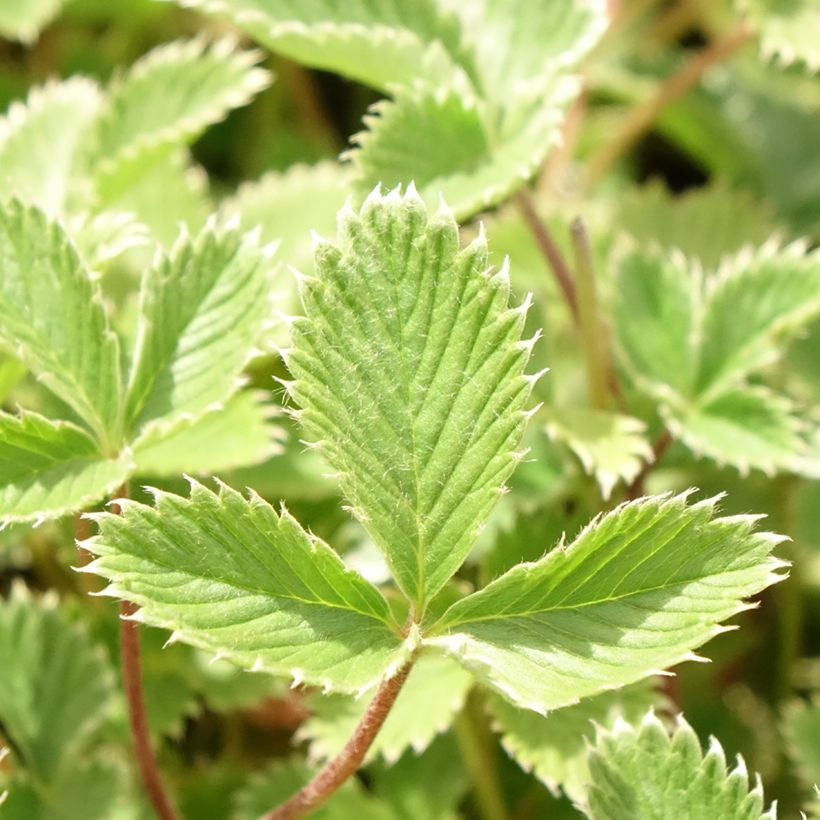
[(167, 99), (40, 142), (656, 299), (50, 468), (265, 791), (434, 693), (440, 137), (53, 320), (202, 308), (801, 730), (55, 685), (257, 589), (789, 30), (748, 427), (704, 223), (410, 375), (645, 774), (106, 236), (25, 19), (634, 593), (236, 435), (611, 447), (351, 37), (11, 372), (754, 301), (554, 748)]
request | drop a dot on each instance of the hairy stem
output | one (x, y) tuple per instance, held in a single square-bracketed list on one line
[(549, 249), (596, 359), (642, 116), (659, 448), (478, 750), (131, 663), (347, 762)]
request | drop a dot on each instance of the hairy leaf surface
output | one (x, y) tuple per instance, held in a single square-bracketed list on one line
[(644, 773), (410, 374), (50, 468), (635, 592), (232, 576), (52, 318)]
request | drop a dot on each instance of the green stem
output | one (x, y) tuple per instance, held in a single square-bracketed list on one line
[(478, 749)]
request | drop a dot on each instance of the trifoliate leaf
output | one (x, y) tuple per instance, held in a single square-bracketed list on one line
[(644, 773), (265, 791), (754, 301), (236, 435), (634, 593), (54, 686), (50, 468), (53, 320), (410, 374), (611, 447), (232, 576), (440, 137), (789, 31), (167, 99), (748, 428), (351, 38), (801, 728), (24, 19), (554, 748), (705, 223), (202, 308), (40, 142), (428, 702)]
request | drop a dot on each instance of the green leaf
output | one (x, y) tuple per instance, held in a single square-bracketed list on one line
[(53, 320), (748, 428), (351, 37), (410, 374), (705, 223), (55, 686), (645, 774), (439, 136), (611, 447), (236, 435), (554, 748), (801, 729), (264, 791), (789, 30), (50, 468), (106, 236), (755, 300), (24, 19), (40, 142), (634, 593), (167, 99), (202, 308), (434, 693), (257, 590), (11, 372)]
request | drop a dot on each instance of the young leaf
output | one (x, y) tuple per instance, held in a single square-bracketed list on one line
[(554, 748), (54, 686), (232, 576), (426, 706), (52, 318), (645, 773), (167, 99), (747, 427), (24, 19), (40, 142), (410, 374), (789, 32), (351, 38), (236, 435), (636, 592), (50, 468), (202, 308), (610, 446)]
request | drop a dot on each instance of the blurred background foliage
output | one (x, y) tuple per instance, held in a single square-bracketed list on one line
[(732, 161)]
